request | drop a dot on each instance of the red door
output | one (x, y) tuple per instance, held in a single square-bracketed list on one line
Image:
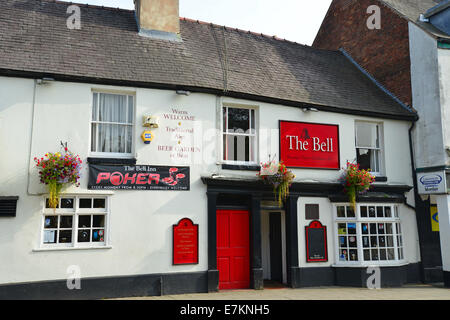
[(233, 249)]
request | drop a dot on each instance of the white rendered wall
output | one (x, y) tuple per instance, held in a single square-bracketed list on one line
[(141, 221)]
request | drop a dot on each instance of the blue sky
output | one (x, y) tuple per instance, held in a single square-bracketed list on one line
[(295, 20)]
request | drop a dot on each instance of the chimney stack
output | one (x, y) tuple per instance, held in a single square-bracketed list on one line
[(158, 19)]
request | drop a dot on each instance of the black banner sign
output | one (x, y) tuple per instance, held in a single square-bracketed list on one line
[(138, 177)]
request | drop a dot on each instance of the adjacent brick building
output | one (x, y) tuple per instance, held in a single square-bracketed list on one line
[(384, 52)]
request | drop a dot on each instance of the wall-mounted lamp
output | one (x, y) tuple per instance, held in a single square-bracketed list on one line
[(306, 109), (183, 92), (44, 81)]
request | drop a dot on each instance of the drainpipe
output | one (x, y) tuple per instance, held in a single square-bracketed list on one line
[(418, 201), (31, 137)]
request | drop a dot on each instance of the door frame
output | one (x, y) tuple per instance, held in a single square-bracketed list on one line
[(266, 257)]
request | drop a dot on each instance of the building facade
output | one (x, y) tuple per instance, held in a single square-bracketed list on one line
[(187, 211)]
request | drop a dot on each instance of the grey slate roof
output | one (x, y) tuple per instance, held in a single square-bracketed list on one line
[(34, 39), (412, 9)]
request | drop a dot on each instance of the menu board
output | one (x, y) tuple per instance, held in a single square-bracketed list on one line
[(316, 242), (185, 242)]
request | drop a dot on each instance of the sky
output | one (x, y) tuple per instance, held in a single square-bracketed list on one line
[(295, 20)]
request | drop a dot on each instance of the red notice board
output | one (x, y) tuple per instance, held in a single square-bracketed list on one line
[(309, 145), (185, 242)]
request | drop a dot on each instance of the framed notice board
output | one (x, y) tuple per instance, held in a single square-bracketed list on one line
[(185, 242), (316, 242)]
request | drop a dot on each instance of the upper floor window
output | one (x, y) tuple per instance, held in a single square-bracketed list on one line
[(369, 146), (112, 124), (239, 135)]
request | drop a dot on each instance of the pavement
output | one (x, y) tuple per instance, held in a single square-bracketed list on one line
[(407, 292)]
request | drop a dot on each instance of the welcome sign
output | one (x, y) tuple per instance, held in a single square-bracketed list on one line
[(309, 145)]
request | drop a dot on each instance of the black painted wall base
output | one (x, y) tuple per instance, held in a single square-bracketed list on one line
[(446, 275), (257, 279), (213, 280), (114, 287), (356, 277)]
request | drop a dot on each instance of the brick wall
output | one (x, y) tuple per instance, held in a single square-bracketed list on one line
[(384, 53)]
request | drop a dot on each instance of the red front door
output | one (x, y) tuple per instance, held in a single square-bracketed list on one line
[(233, 249)]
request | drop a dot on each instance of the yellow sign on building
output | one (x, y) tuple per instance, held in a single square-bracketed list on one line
[(434, 218)]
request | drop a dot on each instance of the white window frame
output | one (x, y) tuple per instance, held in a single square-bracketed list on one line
[(252, 146), (380, 149), (75, 212), (358, 220), (132, 124)]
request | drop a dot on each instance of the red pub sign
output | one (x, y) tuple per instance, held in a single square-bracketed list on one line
[(309, 145)]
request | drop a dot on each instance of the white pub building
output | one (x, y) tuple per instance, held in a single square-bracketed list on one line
[(172, 119)]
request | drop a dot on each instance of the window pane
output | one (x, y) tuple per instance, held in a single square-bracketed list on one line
[(391, 254), (95, 107), (341, 212), (51, 222), (99, 203), (343, 255), (352, 242), (99, 221), (387, 212), (342, 228), (98, 235), (371, 212), (383, 254), (351, 228), (252, 122), (367, 135), (353, 255), (130, 109), (65, 222), (368, 159), (379, 212), (238, 120), (237, 148), (85, 203), (382, 241), (381, 228), (65, 236), (66, 203), (47, 204), (111, 138), (365, 242), (129, 139), (389, 228), (84, 221), (49, 236), (350, 212), (112, 108), (390, 241), (363, 212), (364, 228), (342, 241), (84, 235), (374, 254), (367, 255), (94, 137), (224, 115)]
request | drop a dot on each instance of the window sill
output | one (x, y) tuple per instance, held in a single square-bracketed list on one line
[(242, 167), (111, 161), (370, 264), (70, 249)]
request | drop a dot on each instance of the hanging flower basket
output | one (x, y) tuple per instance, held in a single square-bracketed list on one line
[(356, 181), (279, 177), (58, 171)]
